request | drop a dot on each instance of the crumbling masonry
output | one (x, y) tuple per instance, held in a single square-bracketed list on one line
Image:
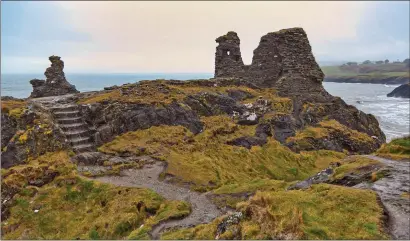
[(281, 54)]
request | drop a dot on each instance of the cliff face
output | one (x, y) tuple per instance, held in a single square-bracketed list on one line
[(55, 84)]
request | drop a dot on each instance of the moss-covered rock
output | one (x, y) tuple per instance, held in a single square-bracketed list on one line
[(331, 135)]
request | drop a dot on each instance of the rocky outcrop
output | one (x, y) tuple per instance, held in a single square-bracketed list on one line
[(284, 60), (8, 128), (38, 129), (402, 91), (34, 134), (55, 84), (112, 119)]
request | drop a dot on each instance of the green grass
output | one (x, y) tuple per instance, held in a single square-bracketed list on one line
[(353, 164), (206, 161), (71, 207), (321, 212), (252, 186), (397, 149)]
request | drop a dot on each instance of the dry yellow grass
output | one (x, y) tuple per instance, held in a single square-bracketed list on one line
[(13, 107), (397, 149)]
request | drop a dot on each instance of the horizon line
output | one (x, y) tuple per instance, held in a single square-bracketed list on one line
[(114, 73)]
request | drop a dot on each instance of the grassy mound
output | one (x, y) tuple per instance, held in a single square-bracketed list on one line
[(321, 212), (397, 149)]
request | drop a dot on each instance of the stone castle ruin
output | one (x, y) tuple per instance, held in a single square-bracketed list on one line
[(55, 84), (281, 54)]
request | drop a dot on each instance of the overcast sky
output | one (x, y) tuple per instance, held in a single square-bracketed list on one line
[(118, 37)]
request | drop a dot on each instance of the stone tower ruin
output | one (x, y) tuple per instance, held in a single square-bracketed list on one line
[(281, 54)]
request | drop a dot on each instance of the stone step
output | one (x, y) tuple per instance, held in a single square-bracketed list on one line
[(72, 120), (78, 133), (63, 108), (83, 148), (65, 114), (74, 126), (80, 141)]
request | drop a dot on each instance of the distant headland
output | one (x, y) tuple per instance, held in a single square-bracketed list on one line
[(373, 72)]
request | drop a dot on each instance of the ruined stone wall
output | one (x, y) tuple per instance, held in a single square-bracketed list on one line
[(228, 59), (283, 53)]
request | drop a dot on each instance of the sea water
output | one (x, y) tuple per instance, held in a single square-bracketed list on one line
[(18, 85), (392, 113)]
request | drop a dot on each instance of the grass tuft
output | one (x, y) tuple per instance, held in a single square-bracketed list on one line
[(397, 149)]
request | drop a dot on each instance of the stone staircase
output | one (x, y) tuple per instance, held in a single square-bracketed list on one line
[(74, 128)]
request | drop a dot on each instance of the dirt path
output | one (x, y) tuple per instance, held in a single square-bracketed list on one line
[(203, 210), (390, 189)]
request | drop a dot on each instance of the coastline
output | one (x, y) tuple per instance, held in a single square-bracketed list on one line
[(394, 80)]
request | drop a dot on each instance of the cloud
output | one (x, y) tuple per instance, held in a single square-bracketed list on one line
[(136, 36), (179, 36)]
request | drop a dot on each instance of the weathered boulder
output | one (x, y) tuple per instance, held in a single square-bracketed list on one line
[(55, 84), (402, 91)]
